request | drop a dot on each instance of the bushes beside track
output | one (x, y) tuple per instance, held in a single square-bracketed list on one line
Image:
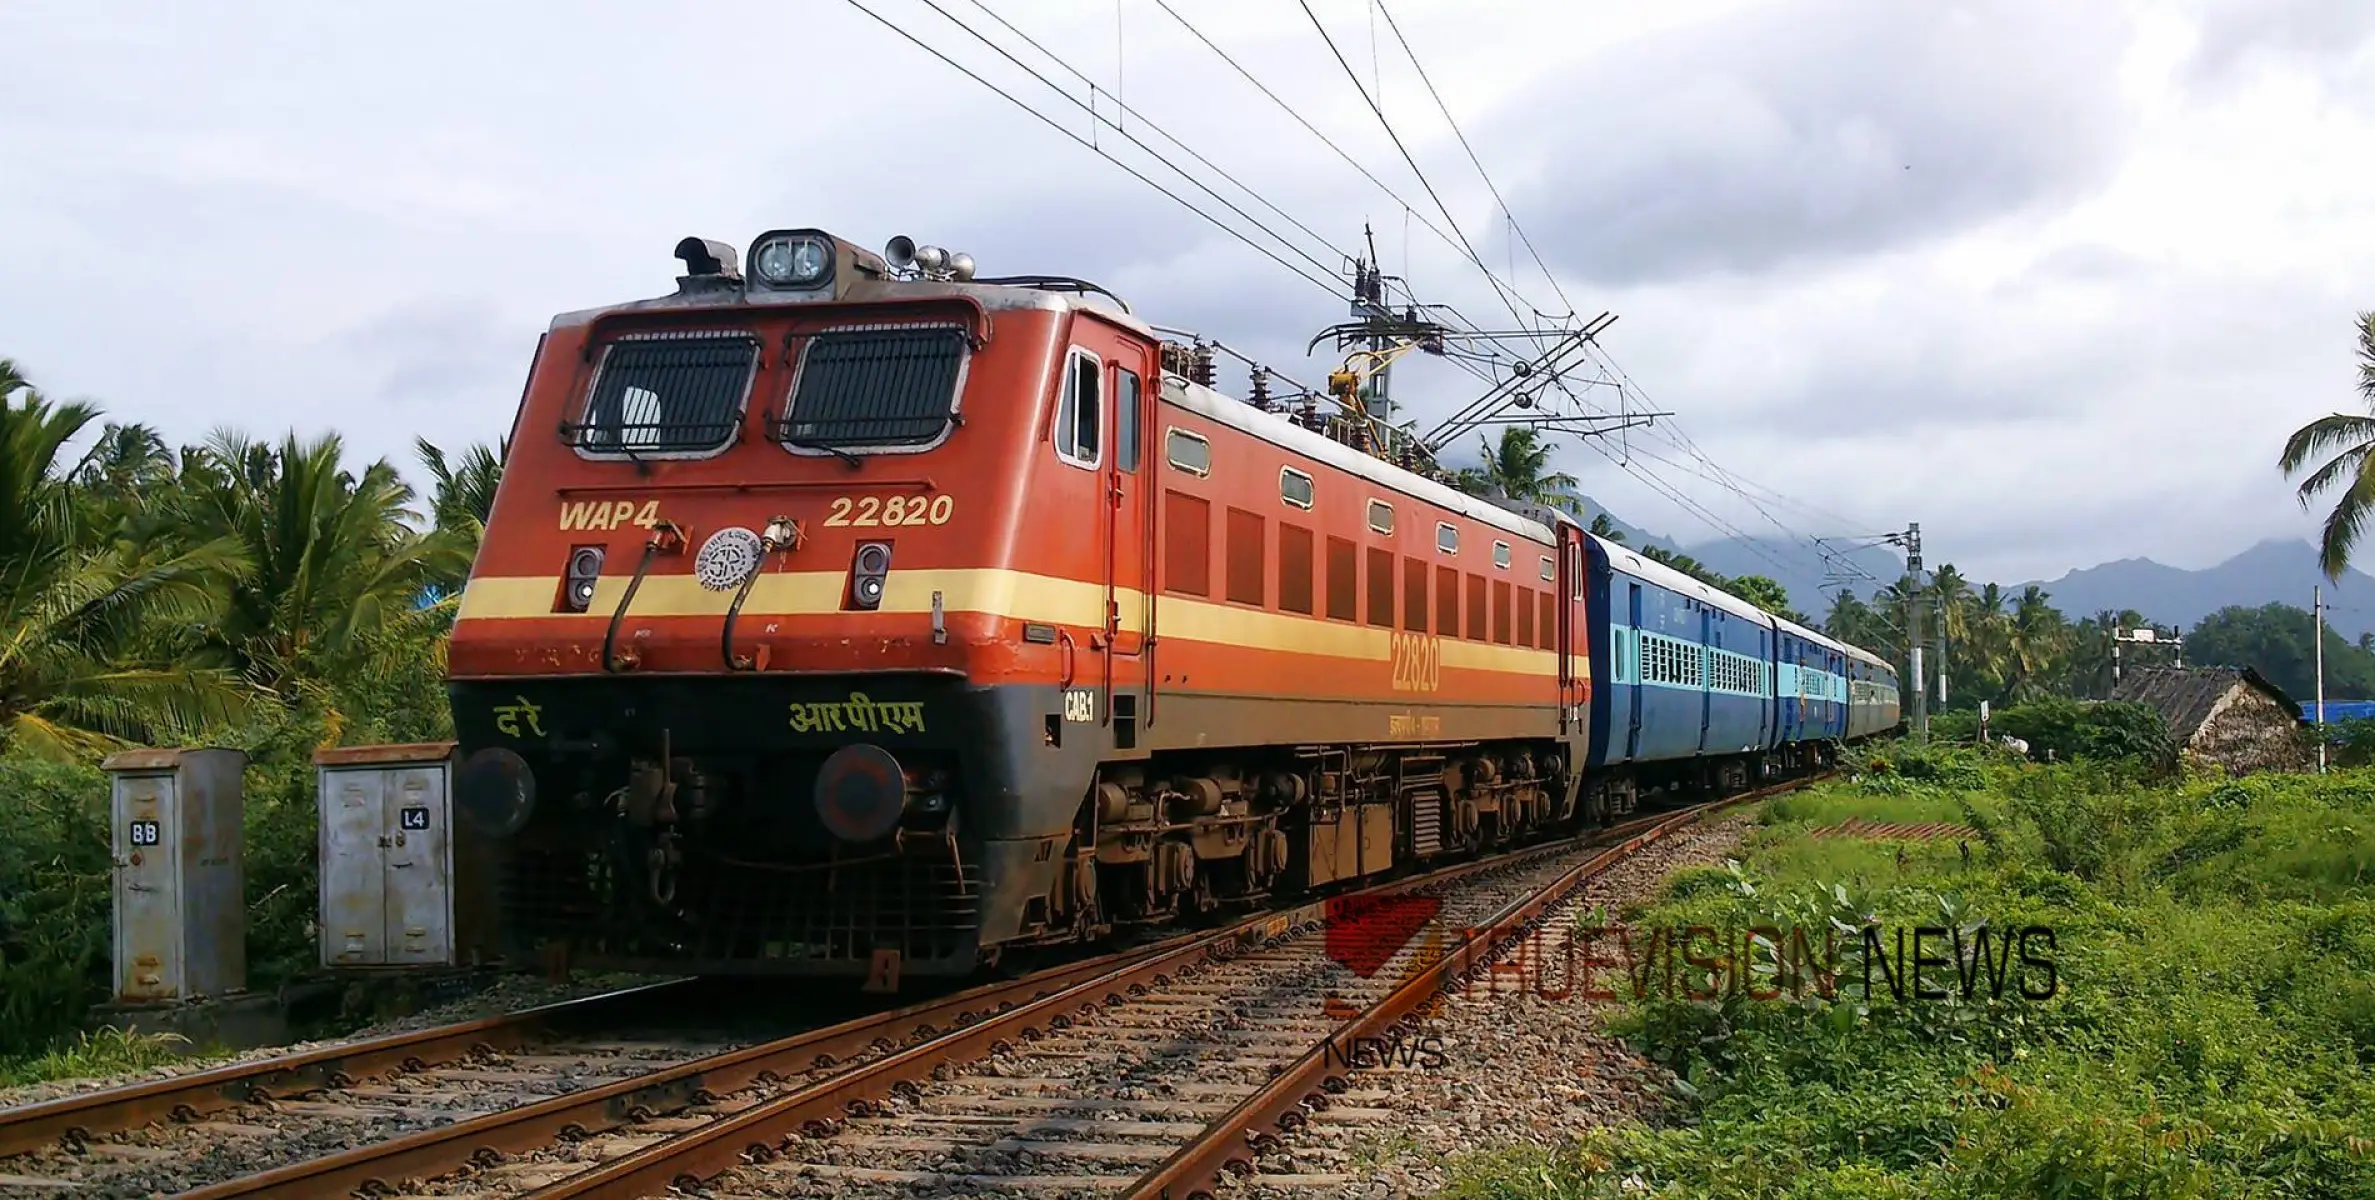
[(56, 954), (2211, 1032)]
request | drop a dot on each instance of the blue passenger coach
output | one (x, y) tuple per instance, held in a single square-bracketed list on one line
[(1809, 691), (1695, 688), (1873, 700), (1685, 689)]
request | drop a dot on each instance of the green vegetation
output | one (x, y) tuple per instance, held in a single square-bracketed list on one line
[(2067, 729), (2211, 1034), (265, 597), (104, 1052)]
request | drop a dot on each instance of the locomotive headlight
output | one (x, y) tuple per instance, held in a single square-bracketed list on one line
[(792, 260), (496, 791), (585, 571), (867, 569)]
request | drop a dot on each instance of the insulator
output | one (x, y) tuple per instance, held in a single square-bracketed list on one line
[(1261, 389), (1200, 366)]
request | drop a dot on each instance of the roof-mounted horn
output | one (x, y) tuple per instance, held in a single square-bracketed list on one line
[(705, 257)]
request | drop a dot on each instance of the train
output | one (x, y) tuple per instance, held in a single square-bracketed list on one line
[(865, 617)]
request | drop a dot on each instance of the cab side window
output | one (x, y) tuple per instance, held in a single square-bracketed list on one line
[(1077, 412), (1125, 419)]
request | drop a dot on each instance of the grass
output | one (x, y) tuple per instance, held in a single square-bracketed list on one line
[(108, 1051), (2212, 1032)]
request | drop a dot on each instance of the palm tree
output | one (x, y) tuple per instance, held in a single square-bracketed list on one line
[(1988, 636), (1602, 527), (1850, 619), (461, 501), (77, 670), (2350, 438), (336, 563), (2036, 637), (464, 495), (1519, 468), (1951, 592)]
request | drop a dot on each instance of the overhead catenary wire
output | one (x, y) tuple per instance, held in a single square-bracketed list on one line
[(1332, 287), (1505, 292), (1409, 211), (1091, 110), (1149, 123), (1473, 160)]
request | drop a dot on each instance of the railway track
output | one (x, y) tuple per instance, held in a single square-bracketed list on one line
[(1150, 1071)]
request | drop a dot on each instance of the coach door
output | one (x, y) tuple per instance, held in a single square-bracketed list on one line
[(1125, 528), (1574, 633)]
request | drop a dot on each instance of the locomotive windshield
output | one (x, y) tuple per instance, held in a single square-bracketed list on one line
[(668, 394), (887, 386)]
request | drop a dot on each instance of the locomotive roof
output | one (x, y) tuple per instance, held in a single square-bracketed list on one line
[(1667, 577), (1271, 427), (993, 297)]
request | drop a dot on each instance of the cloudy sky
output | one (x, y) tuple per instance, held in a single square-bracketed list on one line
[(2052, 278)]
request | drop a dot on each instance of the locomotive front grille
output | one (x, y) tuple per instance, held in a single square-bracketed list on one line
[(748, 918), (890, 385), (667, 394)]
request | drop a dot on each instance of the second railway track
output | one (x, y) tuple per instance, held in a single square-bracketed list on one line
[(1150, 1071)]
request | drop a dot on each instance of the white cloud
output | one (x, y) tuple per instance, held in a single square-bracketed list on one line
[(2121, 268)]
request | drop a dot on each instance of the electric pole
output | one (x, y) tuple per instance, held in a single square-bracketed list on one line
[(1939, 668), (1921, 693), (2317, 608)]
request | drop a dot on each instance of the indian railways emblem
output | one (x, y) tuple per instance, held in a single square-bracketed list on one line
[(730, 556)]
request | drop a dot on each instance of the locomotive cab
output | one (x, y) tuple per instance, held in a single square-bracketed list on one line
[(788, 631)]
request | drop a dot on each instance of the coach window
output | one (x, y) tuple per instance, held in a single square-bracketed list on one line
[(1294, 487), (1188, 452), (1125, 419), (1381, 588), (1549, 569), (1501, 555), (1294, 568), (1447, 538), (1344, 584), (1246, 584), (1076, 415), (1381, 516)]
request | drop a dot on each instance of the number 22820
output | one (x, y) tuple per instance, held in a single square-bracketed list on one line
[(875, 511)]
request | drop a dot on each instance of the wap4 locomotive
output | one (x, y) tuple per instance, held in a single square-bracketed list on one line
[(864, 617)]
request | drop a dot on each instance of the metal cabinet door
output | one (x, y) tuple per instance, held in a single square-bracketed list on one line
[(147, 893), (415, 841), (354, 871)]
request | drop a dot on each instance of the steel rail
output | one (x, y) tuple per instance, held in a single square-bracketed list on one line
[(485, 1139), (74, 1119), (751, 1136), (1230, 1144)]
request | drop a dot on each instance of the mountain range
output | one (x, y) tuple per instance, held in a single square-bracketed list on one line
[(2277, 570)]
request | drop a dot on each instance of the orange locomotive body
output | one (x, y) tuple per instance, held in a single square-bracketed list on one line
[(852, 620)]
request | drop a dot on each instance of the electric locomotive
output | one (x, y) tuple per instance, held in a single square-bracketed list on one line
[(866, 617)]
